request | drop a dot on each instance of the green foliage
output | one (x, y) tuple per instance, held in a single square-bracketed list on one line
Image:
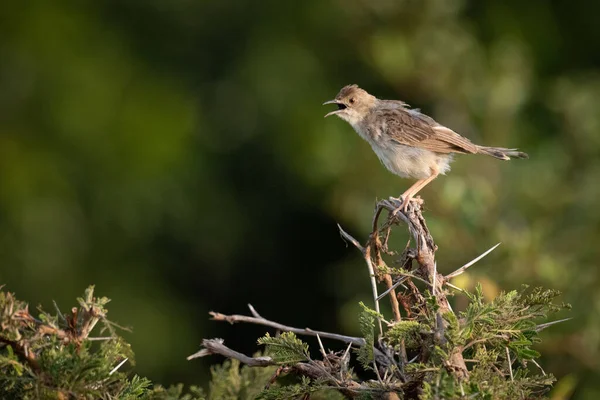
[(53, 356), (491, 335), (232, 382), (175, 392), (285, 348), (485, 386), (367, 320), (496, 338), (510, 320), (316, 389), (407, 332)]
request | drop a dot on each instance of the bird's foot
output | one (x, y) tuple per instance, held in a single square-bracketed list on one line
[(396, 201), (401, 203)]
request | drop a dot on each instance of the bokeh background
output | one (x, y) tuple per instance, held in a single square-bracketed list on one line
[(174, 153)]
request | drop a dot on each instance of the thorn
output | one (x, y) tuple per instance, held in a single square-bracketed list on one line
[(539, 366), (541, 327), (455, 287), (512, 378), (348, 237), (467, 265), (394, 286), (253, 311), (118, 366), (323, 351), (434, 277), (347, 351)]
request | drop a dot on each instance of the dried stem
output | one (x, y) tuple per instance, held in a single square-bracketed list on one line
[(366, 252), (381, 357), (232, 319), (378, 247), (311, 369), (216, 346), (23, 350)]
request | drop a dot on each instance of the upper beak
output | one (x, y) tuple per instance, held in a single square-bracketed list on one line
[(333, 112)]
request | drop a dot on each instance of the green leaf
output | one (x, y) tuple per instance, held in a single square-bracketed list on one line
[(404, 331), (367, 320), (285, 348)]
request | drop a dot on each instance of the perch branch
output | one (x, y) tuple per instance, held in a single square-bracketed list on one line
[(425, 257)]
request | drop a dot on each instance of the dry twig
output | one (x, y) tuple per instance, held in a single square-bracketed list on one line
[(366, 252), (232, 319)]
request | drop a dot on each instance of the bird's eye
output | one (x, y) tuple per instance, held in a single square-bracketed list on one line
[(352, 100)]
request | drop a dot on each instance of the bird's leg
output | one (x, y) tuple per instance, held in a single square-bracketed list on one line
[(407, 196), (416, 188)]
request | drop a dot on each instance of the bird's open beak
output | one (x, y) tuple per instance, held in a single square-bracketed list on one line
[(340, 105)]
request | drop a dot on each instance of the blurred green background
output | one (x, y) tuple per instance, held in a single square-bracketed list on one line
[(174, 153)]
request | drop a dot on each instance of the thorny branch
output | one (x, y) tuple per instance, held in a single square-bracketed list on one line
[(312, 369), (216, 346), (390, 363), (232, 319), (372, 253), (424, 254), (380, 357)]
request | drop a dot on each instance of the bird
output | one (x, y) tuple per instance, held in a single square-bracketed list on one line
[(408, 143)]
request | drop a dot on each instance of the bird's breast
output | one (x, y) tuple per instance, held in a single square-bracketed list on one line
[(410, 162)]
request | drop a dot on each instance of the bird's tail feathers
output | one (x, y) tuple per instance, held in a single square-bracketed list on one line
[(501, 153)]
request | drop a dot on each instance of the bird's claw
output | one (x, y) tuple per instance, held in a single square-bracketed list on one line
[(396, 201), (399, 203)]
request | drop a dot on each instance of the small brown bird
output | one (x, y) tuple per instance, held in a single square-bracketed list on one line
[(410, 144)]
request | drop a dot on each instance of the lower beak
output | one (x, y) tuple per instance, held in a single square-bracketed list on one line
[(333, 112)]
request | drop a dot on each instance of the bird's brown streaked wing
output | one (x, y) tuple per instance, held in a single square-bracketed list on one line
[(411, 128), (454, 142), (401, 126)]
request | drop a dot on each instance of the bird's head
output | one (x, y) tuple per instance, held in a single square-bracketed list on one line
[(353, 104)]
